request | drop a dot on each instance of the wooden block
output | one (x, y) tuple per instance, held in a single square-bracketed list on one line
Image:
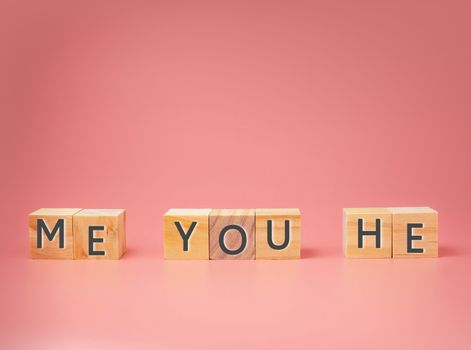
[(186, 234), (51, 233), (415, 232), (232, 234), (367, 233), (278, 233), (100, 234)]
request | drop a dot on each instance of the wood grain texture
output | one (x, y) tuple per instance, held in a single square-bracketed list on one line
[(51, 249), (277, 218), (426, 217), (113, 234), (198, 242), (369, 217), (218, 221)]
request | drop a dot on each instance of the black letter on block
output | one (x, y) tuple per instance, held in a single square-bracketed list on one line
[(376, 233), (92, 240), (270, 236), (185, 236), (411, 238), (41, 226), (243, 235)]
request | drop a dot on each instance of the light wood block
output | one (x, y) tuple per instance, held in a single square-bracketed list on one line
[(186, 234), (368, 244), (51, 233), (415, 232), (232, 234), (100, 234), (278, 233)]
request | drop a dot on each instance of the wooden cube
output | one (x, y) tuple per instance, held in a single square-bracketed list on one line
[(100, 234), (51, 233), (415, 232), (232, 234), (367, 233), (278, 233), (186, 234)]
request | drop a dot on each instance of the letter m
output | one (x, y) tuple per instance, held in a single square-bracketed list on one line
[(42, 226)]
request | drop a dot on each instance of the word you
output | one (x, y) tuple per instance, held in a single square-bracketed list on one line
[(232, 234)]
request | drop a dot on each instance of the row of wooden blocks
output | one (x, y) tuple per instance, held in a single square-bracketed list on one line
[(390, 232), (232, 234), (71, 233)]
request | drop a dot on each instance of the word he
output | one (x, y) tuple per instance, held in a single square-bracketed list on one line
[(390, 232), (232, 234), (77, 233)]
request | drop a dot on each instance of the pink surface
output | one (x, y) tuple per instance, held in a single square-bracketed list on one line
[(318, 105)]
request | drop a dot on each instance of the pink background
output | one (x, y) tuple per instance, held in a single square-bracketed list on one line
[(320, 105)]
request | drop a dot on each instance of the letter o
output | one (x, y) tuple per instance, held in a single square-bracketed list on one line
[(243, 235)]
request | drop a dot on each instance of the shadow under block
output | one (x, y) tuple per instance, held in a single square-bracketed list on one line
[(100, 234), (186, 234), (232, 234), (415, 232), (51, 233), (277, 234), (367, 233)]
